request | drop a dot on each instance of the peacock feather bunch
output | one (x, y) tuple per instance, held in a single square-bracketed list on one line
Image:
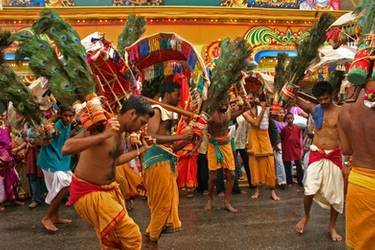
[(43, 61), (367, 19), (232, 60), (307, 50), (73, 54), (335, 79), (280, 69), (307, 53), (13, 90), (133, 30)]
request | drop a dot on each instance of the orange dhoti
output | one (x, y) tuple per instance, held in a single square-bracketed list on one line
[(159, 179), (129, 181), (220, 154), (360, 209), (261, 158), (104, 208)]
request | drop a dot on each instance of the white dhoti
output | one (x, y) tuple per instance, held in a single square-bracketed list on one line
[(325, 181), (55, 181)]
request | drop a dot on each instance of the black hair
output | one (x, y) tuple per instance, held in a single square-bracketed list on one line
[(286, 115), (141, 106), (168, 87), (322, 88), (63, 108)]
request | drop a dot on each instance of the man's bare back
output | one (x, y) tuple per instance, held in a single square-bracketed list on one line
[(358, 121), (326, 138), (97, 164)]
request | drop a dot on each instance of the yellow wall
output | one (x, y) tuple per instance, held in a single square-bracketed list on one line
[(199, 25)]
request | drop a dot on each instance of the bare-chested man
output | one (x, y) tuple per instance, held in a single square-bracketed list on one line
[(324, 181), (159, 163), (220, 153), (357, 138), (93, 191)]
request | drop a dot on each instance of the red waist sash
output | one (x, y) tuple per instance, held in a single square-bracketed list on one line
[(334, 156), (79, 188)]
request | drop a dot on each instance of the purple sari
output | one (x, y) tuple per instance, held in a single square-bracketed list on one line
[(7, 170)]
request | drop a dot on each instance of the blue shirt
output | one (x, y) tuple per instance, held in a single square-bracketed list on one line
[(50, 157)]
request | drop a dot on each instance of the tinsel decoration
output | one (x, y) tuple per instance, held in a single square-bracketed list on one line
[(307, 52), (133, 30), (13, 90), (232, 60)]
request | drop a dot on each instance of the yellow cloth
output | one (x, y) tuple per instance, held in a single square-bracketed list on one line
[(128, 181), (106, 212), (360, 209), (261, 159), (163, 199), (226, 150)]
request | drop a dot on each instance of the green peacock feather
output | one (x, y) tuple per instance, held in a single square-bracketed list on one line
[(73, 53), (44, 62), (133, 30), (307, 51), (227, 72), (280, 68), (13, 90), (367, 21), (335, 79)]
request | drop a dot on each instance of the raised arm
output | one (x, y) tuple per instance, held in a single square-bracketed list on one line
[(84, 140), (255, 122), (235, 114), (153, 127), (308, 107)]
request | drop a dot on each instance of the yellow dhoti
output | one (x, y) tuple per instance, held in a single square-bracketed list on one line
[(360, 209), (162, 195), (261, 158), (104, 208), (128, 181), (220, 154)]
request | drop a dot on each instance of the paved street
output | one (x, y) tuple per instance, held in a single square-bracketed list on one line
[(262, 224)]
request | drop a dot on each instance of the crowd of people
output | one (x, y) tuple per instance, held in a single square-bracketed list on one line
[(149, 151)]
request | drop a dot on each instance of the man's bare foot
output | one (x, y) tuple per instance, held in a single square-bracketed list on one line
[(2, 208), (221, 194), (274, 196), (300, 226), (229, 208), (48, 225), (19, 203), (33, 204), (255, 196), (208, 206), (334, 235), (129, 205), (149, 244), (61, 221), (190, 195)]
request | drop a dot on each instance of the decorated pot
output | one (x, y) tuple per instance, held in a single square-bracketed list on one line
[(92, 114), (360, 67)]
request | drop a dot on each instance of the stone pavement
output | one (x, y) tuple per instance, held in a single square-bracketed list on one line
[(262, 224)]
